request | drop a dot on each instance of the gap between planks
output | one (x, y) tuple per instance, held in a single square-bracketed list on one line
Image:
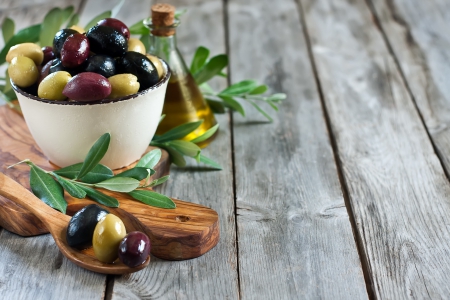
[(358, 240)]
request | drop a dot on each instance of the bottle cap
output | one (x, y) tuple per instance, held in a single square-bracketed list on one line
[(163, 15)]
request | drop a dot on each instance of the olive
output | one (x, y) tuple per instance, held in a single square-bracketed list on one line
[(82, 225), (108, 234), (44, 71), (139, 65), (107, 40), (51, 87), (29, 50), (60, 38), (136, 45), (48, 54), (78, 28), (58, 66), (101, 64), (75, 50), (134, 249), (87, 87), (123, 85), (22, 71), (116, 24), (158, 65)]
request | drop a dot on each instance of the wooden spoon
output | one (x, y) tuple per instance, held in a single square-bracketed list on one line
[(57, 222)]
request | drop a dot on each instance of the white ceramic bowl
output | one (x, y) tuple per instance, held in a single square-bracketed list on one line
[(65, 130)]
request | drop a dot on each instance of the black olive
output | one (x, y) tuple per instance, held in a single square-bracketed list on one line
[(81, 227), (101, 64), (107, 40), (139, 65), (57, 66), (60, 38)]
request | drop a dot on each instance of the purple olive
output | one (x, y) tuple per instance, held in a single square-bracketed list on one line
[(87, 87), (75, 50), (48, 55), (60, 38), (134, 249), (116, 24), (45, 71)]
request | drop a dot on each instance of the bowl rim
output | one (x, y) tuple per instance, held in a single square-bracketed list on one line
[(161, 82)]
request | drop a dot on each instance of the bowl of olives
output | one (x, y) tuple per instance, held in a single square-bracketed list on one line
[(87, 84)]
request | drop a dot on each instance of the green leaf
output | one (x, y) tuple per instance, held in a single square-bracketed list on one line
[(47, 189), (93, 22), (66, 13), (95, 154), (119, 184), (137, 173), (209, 162), (260, 89), (159, 181), (261, 111), (152, 198), (240, 88), (145, 39), (275, 108), (51, 24), (216, 106), (8, 28), (179, 13), (70, 187), (100, 197), (139, 28), (74, 20), (206, 135), (176, 157), (178, 132), (213, 67), (185, 147), (29, 34), (98, 173), (200, 57), (276, 97), (233, 104), (150, 159)]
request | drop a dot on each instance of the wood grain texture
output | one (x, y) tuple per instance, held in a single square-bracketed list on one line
[(397, 187), (295, 237), (417, 34)]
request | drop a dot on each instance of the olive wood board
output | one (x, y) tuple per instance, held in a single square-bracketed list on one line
[(188, 231)]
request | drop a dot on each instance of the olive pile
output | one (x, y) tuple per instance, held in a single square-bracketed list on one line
[(104, 62), (93, 225)]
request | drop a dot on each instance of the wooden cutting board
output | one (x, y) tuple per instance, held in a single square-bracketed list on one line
[(188, 231)]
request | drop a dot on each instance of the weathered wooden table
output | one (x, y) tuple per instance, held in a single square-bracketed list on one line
[(344, 196)]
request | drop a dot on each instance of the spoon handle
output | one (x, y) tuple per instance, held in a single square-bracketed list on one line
[(15, 192)]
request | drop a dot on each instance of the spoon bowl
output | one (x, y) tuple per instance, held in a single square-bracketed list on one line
[(57, 222)]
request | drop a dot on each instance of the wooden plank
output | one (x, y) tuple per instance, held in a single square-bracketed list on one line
[(417, 33), (295, 238), (214, 275), (396, 185)]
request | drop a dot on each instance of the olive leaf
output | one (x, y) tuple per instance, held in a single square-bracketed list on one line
[(74, 20), (93, 22), (240, 88), (261, 111), (99, 196), (216, 106), (199, 59), (70, 187), (177, 132), (139, 28), (46, 188), (28, 34), (7, 29), (51, 24), (233, 104), (176, 157), (212, 68), (152, 198), (209, 162), (98, 173), (158, 181), (137, 173), (210, 132), (95, 154), (150, 160), (260, 89), (119, 184), (66, 13), (185, 148)]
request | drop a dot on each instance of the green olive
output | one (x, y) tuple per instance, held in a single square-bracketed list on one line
[(136, 45), (157, 63), (108, 234), (23, 72), (29, 50), (52, 86), (123, 85)]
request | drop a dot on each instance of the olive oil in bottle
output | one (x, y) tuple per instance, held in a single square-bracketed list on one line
[(184, 101)]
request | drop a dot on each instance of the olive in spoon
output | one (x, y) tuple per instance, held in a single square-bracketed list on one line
[(57, 222)]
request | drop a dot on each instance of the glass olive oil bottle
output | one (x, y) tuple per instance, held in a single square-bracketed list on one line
[(184, 101)]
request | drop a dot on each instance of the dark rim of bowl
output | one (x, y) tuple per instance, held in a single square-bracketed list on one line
[(103, 101)]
